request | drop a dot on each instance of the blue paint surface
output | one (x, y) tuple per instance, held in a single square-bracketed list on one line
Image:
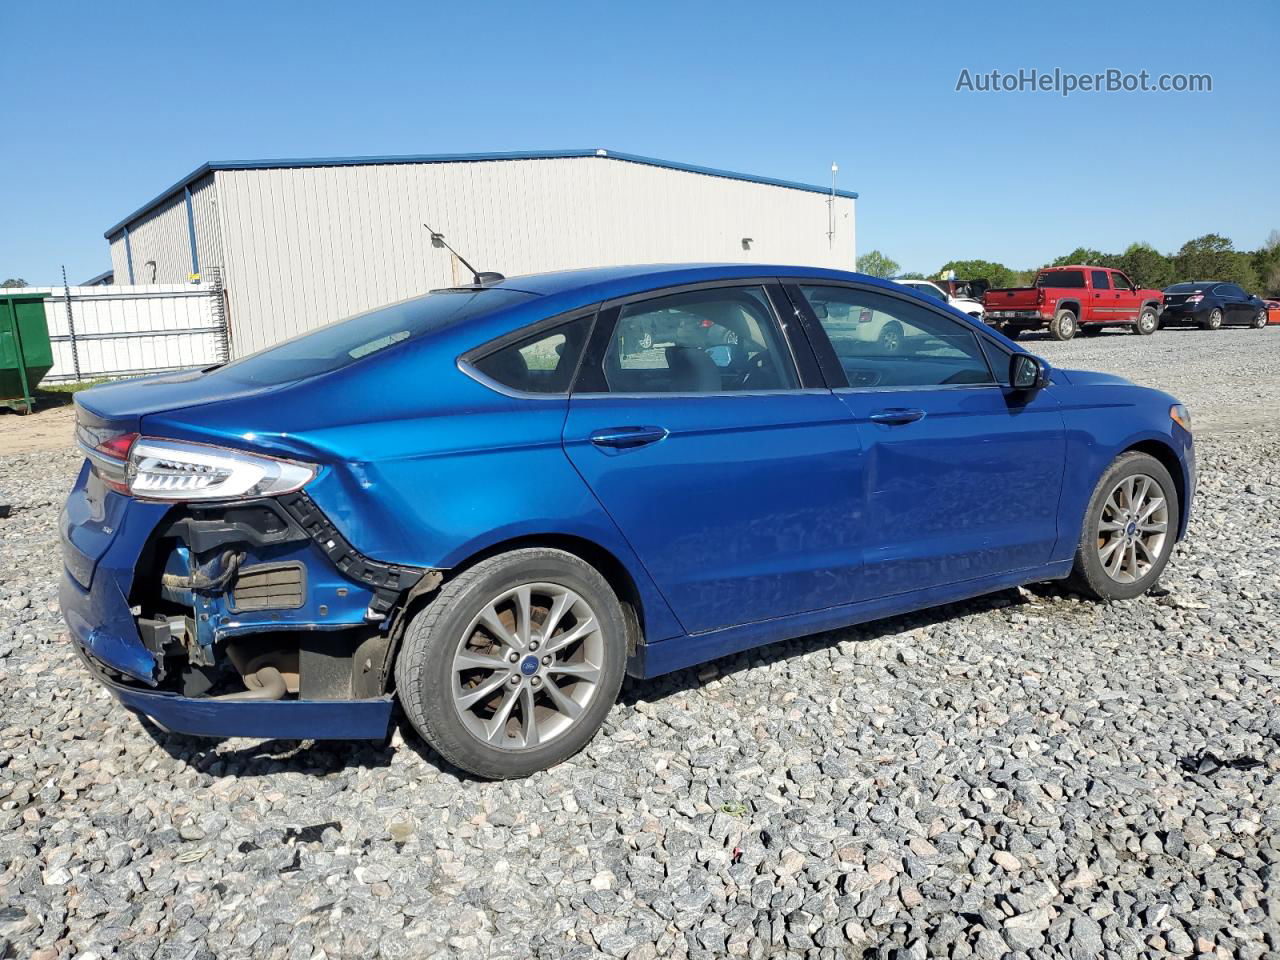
[(755, 517)]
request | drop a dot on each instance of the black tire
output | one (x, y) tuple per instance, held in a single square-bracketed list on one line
[(1213, 321), (1064, 325), (1088, 575), (890, 338), (424, 668), (1260, 320), (1148, 322)]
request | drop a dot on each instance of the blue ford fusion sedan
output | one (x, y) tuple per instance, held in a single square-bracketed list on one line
[(491, 502)]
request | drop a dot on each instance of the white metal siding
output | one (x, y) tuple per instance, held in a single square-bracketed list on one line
[(119, 259), (164, 236), (204, 214), (304, 246)]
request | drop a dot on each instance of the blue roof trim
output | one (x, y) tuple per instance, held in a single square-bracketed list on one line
[(207, 168)]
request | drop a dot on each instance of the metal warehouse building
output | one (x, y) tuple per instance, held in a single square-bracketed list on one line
[(299, 243)]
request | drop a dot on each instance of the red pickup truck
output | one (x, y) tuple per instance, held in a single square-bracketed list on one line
[(1070, 299)]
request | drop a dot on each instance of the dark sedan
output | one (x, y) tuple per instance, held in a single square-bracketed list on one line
[(1210, 304)]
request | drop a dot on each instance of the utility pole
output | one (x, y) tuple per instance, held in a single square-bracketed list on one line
[(831, 208)]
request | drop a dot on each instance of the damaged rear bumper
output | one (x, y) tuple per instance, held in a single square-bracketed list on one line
[(267, 719), (180, 613)]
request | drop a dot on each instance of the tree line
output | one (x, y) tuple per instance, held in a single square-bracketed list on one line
[(1210, 257)]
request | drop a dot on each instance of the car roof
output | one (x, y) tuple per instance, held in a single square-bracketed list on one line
[(603, 283), (1079, 266)]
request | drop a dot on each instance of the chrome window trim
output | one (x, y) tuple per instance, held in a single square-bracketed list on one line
[(812, 391), (990, 385)]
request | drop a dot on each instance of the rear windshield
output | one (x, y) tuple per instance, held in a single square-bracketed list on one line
[(1183, 288), (349, 340), (1071, 279)]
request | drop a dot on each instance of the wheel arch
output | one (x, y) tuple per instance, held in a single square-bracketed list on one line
[(620, 578), (1068, 304), (1168, 458)]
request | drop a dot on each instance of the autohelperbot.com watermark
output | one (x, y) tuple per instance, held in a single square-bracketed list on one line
[(1065, 82)]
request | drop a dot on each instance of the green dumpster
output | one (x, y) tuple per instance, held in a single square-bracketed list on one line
[(25, 354)]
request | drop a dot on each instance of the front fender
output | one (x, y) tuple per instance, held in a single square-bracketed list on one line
[(1103, 421)]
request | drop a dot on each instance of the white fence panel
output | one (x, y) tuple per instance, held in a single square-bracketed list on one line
[(117, 331)]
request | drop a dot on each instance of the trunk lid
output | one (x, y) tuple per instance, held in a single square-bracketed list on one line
[(122, 405)]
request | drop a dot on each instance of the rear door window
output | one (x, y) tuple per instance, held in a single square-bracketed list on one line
[(722, 340), (1100, 280)]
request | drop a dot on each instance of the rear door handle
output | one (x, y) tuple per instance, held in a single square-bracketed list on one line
[(622, 437), (897, 415)]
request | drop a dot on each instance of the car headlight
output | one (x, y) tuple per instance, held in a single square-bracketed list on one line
[(1181, 416), (174, 470)]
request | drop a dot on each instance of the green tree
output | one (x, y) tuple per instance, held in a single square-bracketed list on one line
[(14, 282), (1145, 265), (875, 264), (1212, 257), (1083, 256), (997, 273), (913, 275), (1265, 262)]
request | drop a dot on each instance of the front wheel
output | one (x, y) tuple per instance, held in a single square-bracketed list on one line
[(1214, 320), (1129, 529), (1260, 320), (1148, 321), (891, 337), (1064, 325), (514, 665)]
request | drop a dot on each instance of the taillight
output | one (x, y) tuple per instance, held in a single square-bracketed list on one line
[(174, 470), (1195, 298), (108, 455), (156, 469), (1039, 295)]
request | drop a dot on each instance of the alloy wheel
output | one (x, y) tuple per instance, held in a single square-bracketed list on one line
[(1260, 320), (1132, 528), (1215, 319), (527, 666)]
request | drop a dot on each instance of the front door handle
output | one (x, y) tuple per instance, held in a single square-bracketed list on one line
[(897, 415), (623, 437)]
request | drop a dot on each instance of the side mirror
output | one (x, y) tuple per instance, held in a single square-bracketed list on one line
[(1027, 372)]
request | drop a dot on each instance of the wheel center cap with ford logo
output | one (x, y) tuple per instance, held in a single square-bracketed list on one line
[(1131, 529), (529, 666)]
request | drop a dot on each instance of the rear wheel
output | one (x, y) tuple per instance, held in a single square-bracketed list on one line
[(1214, 320), (1260, 320), (1129, 529), (1064, 325), (514, 665), (1148, 321)]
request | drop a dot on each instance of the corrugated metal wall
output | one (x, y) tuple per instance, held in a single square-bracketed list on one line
[(164, 236), (304, 246)]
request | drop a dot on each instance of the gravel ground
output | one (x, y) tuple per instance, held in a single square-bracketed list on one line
[(991, 778)]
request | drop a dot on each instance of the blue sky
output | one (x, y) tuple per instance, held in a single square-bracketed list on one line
[(110, 103)]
